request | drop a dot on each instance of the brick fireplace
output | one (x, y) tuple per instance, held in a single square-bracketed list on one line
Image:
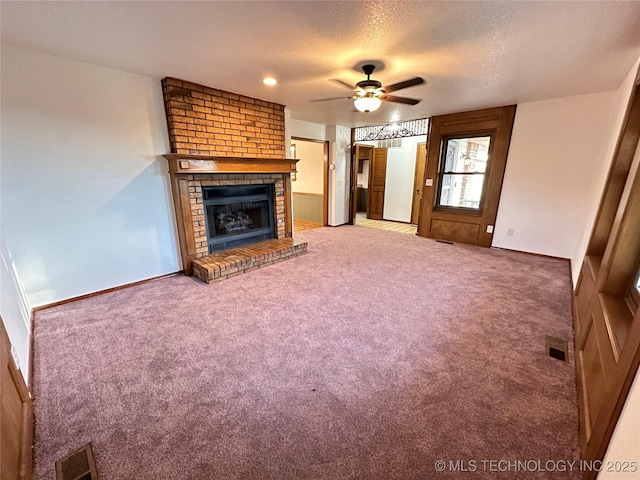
[(221, 139)]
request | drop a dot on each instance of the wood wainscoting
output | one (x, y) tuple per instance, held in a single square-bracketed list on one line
[(16, 417), (309, 206)]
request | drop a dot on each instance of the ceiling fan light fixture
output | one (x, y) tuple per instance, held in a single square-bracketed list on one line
[(368, 103)]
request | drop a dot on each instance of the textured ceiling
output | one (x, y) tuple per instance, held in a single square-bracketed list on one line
[(472, 54)]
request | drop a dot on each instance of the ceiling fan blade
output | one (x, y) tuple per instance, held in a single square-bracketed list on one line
[(344, 84), (405, 100), (327, 99), (406, 84)]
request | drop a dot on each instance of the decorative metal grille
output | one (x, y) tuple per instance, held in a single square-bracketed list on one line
[(410, 128)]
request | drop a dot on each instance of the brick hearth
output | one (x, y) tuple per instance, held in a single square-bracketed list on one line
[(230, 263)]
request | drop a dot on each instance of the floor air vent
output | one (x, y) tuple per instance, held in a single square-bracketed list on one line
[(557, 348), (80, 465)]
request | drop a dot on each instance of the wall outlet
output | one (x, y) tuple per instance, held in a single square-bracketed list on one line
[(510, 232), (339, 183), (489, 228), (428, 182)]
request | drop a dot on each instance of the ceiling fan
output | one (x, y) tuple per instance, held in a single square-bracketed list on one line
[(370, 93)]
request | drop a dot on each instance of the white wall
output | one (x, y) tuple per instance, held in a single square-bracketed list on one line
[(554, 160), (15, 309), (85, 194), (310, 130), (616, 117), (310, 168), (339, 181), (625, 442), (401, 168), (398, 189)]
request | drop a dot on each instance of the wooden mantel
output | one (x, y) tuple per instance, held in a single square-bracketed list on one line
[(190, 164)]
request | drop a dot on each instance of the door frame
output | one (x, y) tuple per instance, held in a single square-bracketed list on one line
[(10, 375), (384, 183), (325, 180), (418, 182), (353, 179)]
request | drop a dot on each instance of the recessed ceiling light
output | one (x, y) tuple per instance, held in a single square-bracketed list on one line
[(269, 81)]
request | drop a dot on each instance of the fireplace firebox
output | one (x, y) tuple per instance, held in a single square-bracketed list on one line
[(237, 215)]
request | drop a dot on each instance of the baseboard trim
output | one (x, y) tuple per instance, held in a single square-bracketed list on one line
[(30, 360), (531, 253), (100, 292)]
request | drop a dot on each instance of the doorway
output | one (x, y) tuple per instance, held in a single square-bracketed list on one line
[(362, 162), (418, 179), (310, 187), (385, 174), (465, 167)]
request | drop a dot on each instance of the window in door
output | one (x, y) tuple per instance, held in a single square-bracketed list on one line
[(463, 167)]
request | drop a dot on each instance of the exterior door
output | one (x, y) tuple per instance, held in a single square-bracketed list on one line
[(16, 417), (377, 179), (466, 159), (418, 179)]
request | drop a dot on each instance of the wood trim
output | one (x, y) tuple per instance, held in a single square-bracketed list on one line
[(309, 194), (352, 179), (622, 158), (542, 255), (189, 164), (31, 350), (25, 435), (288, 210), (595, 447), (358, 156), (605, 372), (325, 203), (418, 183), (101, 292), (376, 190)]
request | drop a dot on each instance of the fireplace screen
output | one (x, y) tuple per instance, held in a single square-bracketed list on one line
[(238, 215)]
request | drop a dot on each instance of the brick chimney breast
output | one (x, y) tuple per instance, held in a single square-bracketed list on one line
[(207, 121)]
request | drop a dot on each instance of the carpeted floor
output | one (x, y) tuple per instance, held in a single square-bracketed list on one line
[(371, 357)]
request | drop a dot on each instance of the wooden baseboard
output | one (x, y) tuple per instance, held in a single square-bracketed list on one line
[(30, 360), (101, 292), (534, 254)]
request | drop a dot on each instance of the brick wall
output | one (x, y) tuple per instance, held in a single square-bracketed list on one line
[(206, 121)]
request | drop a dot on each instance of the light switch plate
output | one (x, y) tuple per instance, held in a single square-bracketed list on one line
[(489, 228)]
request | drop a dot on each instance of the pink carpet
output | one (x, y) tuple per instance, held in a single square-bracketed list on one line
[(371, 357)]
